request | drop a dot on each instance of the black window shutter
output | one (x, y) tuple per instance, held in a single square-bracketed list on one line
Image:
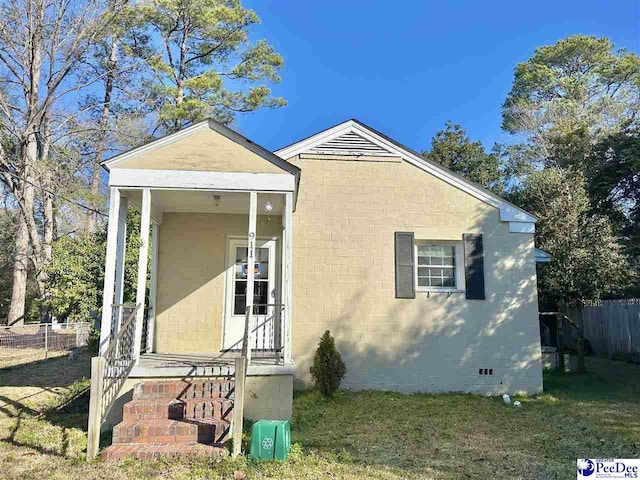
[(405, 274), (473, 266)]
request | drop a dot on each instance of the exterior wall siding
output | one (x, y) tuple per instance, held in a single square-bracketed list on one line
[(205, 150), (343, 272), (191, 280)]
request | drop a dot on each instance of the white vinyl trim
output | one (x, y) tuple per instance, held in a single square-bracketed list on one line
[(542, 256), (143, 259), (224, 181), (522, 227), (508, 211), (459, 265), (110, 268)]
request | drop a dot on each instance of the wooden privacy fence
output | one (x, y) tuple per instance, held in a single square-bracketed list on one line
[(612, 327)]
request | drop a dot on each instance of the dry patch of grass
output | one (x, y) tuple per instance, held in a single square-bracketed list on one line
[(355, 435), (10, 357)]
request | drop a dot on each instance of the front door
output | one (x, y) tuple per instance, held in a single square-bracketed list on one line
[(265, 331)]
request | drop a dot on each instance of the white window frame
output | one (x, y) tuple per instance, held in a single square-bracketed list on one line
[(459, 265)]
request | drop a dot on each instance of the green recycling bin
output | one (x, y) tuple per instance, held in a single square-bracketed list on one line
[(270, 440)]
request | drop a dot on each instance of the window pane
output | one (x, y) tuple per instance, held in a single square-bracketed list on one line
[(435, 260), (261, 269), (240, 297), (260, 297), (436, 266)]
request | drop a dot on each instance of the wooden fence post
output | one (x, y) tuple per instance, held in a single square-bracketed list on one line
[(238, 404), (95, 407)]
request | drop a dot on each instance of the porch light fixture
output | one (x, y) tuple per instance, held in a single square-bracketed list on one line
[(216, 199), (268, 207)]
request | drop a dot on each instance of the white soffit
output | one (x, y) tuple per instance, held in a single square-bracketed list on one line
[(340, 139)]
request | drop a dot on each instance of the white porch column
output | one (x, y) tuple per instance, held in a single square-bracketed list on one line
[(120, 257), (153, 286), (287, 283), (145, 225), (251, 259), (110, 268)]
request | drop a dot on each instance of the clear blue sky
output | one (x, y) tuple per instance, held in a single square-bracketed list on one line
[(407, 66)]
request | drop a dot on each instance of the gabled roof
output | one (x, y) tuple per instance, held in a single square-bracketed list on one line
[(355, 138), (186, 132)]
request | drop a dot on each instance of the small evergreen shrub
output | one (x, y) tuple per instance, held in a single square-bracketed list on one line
[(328, 369)]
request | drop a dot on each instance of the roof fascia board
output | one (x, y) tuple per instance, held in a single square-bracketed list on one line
[(230, 181), (253, 147)]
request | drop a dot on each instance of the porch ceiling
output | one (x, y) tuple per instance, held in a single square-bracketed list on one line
[(205, 202)]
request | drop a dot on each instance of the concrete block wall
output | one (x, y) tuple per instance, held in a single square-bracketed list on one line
[(191, 279), (344, 280)]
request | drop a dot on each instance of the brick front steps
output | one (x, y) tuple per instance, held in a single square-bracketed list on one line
[(150, 452), (174, 418)]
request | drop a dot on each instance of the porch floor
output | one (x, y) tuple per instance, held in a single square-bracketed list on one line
[(208, 364)]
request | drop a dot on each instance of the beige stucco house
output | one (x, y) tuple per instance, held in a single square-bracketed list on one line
[(426, 280)]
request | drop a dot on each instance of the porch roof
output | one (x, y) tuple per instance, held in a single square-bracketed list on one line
[(204, 156)]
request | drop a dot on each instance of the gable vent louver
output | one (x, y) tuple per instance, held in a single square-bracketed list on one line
[(350, 144)]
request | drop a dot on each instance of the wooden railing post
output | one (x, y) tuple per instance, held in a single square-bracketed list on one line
[(95, 407), (238, 404)]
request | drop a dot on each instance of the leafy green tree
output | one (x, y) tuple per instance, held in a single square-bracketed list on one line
[(201, 57), (614, 188), (587, 258), (574, 106), (452, 149), (76, 274), (571, 94)]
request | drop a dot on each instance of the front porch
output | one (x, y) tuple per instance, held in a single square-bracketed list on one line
[(212, 314), (211, 258)]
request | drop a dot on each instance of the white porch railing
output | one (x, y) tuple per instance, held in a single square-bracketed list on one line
[(108, 373)]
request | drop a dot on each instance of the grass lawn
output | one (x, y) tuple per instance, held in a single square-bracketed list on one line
[(355, 435), (19, 356)]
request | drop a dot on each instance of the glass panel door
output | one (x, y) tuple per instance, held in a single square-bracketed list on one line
[(261, 282), (266, 321)]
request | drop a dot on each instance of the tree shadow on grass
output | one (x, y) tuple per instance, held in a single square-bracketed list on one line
[(44, 405)]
